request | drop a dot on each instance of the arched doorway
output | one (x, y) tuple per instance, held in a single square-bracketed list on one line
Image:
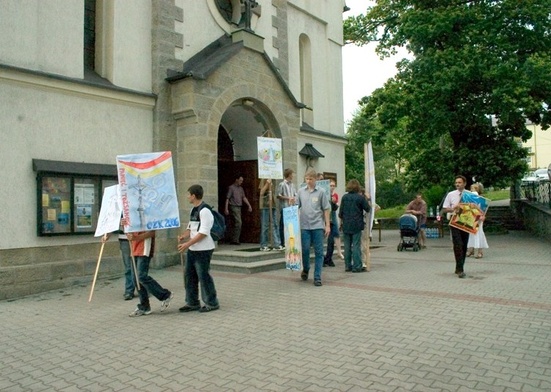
[(242, 122)]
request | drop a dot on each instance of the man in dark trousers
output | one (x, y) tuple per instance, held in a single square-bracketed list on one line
[(460, 238), (353, 205), (234, 202)]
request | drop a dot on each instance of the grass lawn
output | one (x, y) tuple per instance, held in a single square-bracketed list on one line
[(396, 212)]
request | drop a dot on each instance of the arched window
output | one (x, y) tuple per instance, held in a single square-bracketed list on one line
[(306, 87)]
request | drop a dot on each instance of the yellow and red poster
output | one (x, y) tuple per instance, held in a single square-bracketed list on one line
[(148, 192), (471, 212)]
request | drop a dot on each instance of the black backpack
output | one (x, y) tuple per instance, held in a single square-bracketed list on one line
[(218, 227)]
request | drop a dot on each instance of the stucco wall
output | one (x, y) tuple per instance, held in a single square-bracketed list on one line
[(63, 121)]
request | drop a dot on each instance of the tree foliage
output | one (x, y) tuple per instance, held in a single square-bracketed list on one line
[(480, 70)]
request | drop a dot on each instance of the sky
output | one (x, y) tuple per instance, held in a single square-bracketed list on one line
[(363, 71)]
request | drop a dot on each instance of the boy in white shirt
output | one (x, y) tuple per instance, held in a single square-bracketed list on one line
[(199, 246)]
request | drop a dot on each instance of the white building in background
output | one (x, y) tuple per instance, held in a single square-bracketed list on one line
[(539, 147), (84, 81)]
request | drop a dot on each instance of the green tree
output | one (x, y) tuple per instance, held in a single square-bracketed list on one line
[(480, 70)]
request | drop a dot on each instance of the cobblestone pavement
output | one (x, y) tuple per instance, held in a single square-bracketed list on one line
[(407, 325)]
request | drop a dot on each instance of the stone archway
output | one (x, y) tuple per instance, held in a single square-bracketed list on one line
[(243, 121)]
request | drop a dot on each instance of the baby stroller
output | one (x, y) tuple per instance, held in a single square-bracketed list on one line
[(409, 233)]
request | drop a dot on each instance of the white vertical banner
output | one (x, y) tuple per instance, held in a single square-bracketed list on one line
[(270, 158), (369, 181), (370, 189)]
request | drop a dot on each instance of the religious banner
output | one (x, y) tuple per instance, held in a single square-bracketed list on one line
[(148, 192), (110, 212), (270, 158), (291, 232), (472, 209)]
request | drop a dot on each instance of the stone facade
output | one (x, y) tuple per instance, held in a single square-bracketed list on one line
[(62, 112)]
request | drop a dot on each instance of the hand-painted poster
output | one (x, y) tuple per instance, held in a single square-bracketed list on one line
[(471, 211), (148, 192), (270, 158), (110, 212), (291, 230)]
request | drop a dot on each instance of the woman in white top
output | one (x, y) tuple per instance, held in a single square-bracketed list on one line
[(477, 241)]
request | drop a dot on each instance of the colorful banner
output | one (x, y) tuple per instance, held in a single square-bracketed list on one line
[(472, 210), (291, 230), (110, 212), (270, 158), (370, 187), (148, 192)]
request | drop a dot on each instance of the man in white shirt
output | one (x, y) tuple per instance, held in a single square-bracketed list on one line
[(199, 245), (460, 238), (286, 194)]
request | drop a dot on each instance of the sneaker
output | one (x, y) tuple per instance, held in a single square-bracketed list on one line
[(304, 275), (187, 308), (208, 308), (166, 303), (265, 249), (462, 275), (280, 247), (128, 297), (317, 283), (140, 312), (330, 263)]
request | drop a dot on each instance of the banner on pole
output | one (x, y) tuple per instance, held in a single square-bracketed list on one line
[(293, 245), (110, 212), (148, 192), (270, 158)]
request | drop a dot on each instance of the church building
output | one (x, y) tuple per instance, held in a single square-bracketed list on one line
[(84, 81)]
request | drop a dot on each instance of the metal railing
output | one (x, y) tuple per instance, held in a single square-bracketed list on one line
[(537, 191)]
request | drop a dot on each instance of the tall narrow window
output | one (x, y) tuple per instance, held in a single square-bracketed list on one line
[(89, 34), (306, 88)]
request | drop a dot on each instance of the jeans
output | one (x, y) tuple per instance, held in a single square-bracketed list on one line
[(148, 285), (353, 251), (197, 272), (315, 238), (281, 227), (265, 228), (460, 240), (129, 280), (334, 233), (235, 233)]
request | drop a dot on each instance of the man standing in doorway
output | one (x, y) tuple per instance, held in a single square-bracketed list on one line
[(234, 202), (460, 238)]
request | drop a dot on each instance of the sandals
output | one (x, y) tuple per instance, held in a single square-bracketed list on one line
[(470, 253), (479, 255)]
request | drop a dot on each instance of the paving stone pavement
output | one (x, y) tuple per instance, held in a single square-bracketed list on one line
[(407, 325)]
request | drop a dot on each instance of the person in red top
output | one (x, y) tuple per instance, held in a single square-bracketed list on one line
[(143, 246)]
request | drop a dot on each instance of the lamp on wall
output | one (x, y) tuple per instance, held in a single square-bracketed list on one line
[(310, 153)]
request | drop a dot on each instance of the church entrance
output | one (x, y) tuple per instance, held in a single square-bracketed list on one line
[(241, 124)]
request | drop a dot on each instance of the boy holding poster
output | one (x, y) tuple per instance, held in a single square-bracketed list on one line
[(143, 244)]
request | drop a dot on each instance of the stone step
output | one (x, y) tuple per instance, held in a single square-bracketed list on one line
[(248, 267)]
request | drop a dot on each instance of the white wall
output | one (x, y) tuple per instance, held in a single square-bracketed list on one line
[(58, 121), (43, 35), (326, 64)]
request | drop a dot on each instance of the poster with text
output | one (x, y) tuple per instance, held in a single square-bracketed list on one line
[(291, 232), (148, 191), (270, 158), (109, 213)]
